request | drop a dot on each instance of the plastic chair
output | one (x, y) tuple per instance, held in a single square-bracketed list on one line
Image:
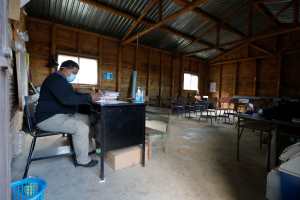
[(29, 110)]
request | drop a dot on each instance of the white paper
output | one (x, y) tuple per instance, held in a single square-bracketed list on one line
[(213, 87), (23, 3)]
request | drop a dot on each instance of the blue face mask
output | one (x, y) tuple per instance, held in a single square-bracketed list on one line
[(71, 77)]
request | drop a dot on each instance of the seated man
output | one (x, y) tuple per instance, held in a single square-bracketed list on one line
[(198, 97), (57, 110)]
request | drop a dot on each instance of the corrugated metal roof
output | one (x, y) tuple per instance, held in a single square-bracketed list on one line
[(81, 15), (285, 17)]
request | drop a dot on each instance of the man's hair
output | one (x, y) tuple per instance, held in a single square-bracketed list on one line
[(69, 64)]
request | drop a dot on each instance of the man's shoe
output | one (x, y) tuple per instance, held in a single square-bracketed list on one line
[(92, 163)]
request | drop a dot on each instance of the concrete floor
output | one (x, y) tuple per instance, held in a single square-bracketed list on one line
[(199, 165)]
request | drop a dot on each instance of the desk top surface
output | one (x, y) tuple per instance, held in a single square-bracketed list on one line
[(258, 117), (117, 103)]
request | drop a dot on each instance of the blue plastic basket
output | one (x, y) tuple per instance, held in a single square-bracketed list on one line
[(28, 189)]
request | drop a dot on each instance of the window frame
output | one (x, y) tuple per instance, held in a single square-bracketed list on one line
[(78, 55), (194, 74)]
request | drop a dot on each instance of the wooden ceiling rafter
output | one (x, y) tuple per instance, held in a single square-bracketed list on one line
[(259, 5), (136, 23), (284, 8), (160, 13), (259, 37), (165, 20), (147, 22), (261, 49)]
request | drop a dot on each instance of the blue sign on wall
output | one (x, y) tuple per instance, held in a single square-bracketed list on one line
[(108, 76)]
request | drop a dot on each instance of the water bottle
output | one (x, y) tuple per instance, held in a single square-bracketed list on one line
[(137, 95)]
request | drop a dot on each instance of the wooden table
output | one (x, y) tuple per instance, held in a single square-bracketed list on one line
[(257, 122)]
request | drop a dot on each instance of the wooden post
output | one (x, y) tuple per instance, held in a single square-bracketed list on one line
[(235, 86), (119, 68), (280, 64), (181, 76), (160, 79), (220, 82), (78, 50), (100, 61), (148, 72), (255, 80), (172, 76), (53, 45)]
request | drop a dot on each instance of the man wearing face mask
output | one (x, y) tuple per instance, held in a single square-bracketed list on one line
[(57, 110)]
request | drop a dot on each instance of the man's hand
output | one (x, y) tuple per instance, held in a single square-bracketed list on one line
[(95, 97)]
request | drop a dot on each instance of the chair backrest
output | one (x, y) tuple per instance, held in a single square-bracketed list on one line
[(29, 114)]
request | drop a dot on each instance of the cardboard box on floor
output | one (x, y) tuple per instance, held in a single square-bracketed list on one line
[(127, 157)]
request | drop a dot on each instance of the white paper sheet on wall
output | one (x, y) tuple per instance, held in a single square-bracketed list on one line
[(213, 87)]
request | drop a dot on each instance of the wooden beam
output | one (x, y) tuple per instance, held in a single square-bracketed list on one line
[(115, 11), (197, 51), (253, 39), (135, 24), (210, 17), (166, 19), (238, 46), (265, 11), (261, 49), (284, 8), (238, 60)]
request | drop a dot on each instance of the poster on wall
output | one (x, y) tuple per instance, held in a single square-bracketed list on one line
[(108, 76), (213, 87)]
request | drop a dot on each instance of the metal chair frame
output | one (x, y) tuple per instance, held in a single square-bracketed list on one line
[(36, 133)]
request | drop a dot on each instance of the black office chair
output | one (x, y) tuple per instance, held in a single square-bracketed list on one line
[(30, 127)]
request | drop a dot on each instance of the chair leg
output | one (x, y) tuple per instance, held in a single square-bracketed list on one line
[(72, 150), (29, 157), (240, 132), (260, 140), (269, 151)]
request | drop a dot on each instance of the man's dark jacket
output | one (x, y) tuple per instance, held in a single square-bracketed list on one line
[(57, 96)]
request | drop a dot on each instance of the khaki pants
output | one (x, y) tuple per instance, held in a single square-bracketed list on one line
[(76, 124)]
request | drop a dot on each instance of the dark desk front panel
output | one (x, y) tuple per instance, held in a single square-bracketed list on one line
[(122, 126)]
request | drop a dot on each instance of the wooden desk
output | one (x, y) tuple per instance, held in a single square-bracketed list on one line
[(120, 125), (254, 122)]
